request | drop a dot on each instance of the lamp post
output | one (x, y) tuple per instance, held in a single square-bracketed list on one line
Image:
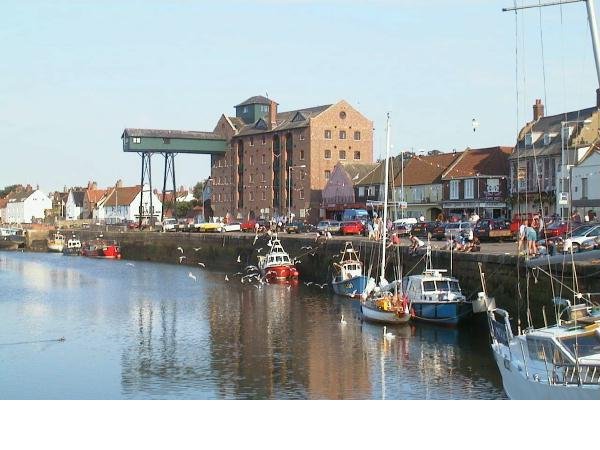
[(290, 189), (565, 166)]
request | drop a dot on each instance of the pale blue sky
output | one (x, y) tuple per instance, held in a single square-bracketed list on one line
[(73, 74)]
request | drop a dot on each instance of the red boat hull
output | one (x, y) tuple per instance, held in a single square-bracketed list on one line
[(280, 273), (102, 251)]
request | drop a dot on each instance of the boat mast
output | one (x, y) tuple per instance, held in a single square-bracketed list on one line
[(591, 12), (385, 197)]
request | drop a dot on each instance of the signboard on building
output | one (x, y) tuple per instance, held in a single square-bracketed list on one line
[(403, 205), (563, 198)]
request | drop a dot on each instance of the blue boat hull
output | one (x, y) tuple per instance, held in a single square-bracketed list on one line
[(352, 287), (443, 312)]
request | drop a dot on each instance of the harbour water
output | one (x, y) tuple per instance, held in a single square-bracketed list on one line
[(157, 331)]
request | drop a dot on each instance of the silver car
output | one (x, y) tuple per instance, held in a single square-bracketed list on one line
[(453, 229), (333, 226)]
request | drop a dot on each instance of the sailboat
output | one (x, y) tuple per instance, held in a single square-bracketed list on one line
[(348, 278), (560, 361), (385, 303)]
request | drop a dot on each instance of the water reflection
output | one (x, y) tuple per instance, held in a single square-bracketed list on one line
[(158, 334)]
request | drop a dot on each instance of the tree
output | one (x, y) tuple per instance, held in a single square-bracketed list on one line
[(198, 189), (8, 189)]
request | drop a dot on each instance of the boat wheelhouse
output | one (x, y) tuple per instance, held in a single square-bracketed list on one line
[(56, 242), (72, 248), (277, 265)]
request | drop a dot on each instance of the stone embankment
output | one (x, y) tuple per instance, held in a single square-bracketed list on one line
[(504, 273)]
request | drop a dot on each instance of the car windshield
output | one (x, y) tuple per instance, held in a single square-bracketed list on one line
[(583, 230)]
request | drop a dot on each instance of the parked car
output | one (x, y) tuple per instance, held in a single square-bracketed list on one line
[(559, 228), (299, 227), (233, 226), (488, 229), (438, 231), (423, 229), (169, 225), (248, 225), (333, 226), (352, 227), (453, 229), (579, 236)]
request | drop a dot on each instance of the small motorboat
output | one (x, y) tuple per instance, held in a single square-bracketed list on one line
[(276, 265), (348, 278), (73, 247), (56, 242)]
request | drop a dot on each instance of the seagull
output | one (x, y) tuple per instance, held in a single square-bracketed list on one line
[(307, 247), (353, 293), (321, 285), (238, 273), (192, 276), (181, 258), (258, 251), (386, 334), (342, 321), (308, 283), (226, 278), (297, 261), (255, 239), (180, 249), (202, 264), (130, 264), (239, 259), (196, 249)]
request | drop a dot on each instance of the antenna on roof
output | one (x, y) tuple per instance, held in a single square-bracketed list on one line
[(475, 124), (266, 94)]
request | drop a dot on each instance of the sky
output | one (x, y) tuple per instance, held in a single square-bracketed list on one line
[(75, 73)]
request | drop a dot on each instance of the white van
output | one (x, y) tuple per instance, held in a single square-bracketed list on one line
[(169, 225)]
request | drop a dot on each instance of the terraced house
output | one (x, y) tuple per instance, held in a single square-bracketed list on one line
[(279, 162)]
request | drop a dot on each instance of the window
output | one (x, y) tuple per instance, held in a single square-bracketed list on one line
[(493, 185), (264, 195), (264, 108), (361, 191), (251, 178), (584, 188), (327, 154), (251, 142), (302, 174), (454, 189), (251, 160), (469, 188), (137, 140), (262, 159), (302, 155), (262, 177), (371, 191), (342, 134), (342, 154), (356, 155), (327, 134), (301, 194), (342, 115), (327, 174), (301, 137), (357, 135), (166, 140), (418, 194), (528, 139), (251, 196), (245, 110), (264, 139), (547, 138)]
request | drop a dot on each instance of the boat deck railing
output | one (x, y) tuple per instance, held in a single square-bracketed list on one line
[(579, 374)]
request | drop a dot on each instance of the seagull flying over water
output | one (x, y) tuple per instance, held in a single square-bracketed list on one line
[(342, 321), (259, 250), (226, 278), (130, 264), (239, 259), (180, 249), (202, 264), (196, 249), (192, 276), (181, 258), (321, 285)]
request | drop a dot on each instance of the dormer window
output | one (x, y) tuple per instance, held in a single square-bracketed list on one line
[(528, 139), (547, 139)]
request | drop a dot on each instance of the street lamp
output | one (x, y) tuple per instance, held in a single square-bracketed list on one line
[(565, 166), (290, 189)]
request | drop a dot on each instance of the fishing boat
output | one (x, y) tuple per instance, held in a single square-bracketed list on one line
[(435, 296), (56, 242), (101, 248), (73, 247), (385, 303), (276, 265), (11, 238), (348, 278)]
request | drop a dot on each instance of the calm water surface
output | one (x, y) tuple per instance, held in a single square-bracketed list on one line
[(150, 331)]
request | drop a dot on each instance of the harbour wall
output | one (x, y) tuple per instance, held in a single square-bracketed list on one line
[(506, 278)]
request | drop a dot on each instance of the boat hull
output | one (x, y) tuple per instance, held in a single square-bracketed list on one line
[(280, 273), (352, 287), (6, 244), (378, 315), (55, 247), (450, 313), (517, 387)]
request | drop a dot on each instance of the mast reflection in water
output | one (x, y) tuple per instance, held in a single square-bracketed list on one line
[(151, 331)]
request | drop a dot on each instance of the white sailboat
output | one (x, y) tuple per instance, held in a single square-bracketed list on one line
[(559, 361), (385, 302)]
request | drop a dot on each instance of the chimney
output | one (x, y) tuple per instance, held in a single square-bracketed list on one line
[(119, 183), (273, 114), (538, 109)]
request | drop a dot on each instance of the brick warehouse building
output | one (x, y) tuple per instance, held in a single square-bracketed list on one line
[(266, 147)]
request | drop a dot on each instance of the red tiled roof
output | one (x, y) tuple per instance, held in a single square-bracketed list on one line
[(93, 195), (483, 161), (122, 196), (426, 169)]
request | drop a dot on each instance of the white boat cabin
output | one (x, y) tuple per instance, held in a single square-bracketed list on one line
[(433, 286)]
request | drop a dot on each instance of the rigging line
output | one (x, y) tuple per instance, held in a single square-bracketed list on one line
[(519, 296), (543, 59), (562, 59)]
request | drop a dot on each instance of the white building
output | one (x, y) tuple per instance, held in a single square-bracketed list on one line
[(585, 187), (123, 204), (74, 205), (26, 206)]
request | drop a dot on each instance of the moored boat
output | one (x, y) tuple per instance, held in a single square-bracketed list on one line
[(56, 242), (348, 279), (73, 247), (12, 238), (276, 265), (101, 249)]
